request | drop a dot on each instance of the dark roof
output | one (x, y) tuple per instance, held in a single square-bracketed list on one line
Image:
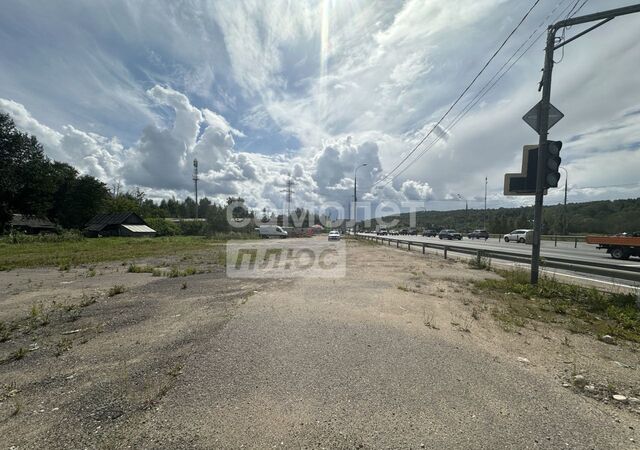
[(22, 220), (101, 221)]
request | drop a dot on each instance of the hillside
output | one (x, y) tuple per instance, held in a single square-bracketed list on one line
[(608, 216)]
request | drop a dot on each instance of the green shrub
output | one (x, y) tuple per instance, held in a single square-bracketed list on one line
[(21, 238), (163, 227), (618, 310)]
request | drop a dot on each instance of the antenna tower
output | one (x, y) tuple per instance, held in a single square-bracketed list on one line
[(195, 182)]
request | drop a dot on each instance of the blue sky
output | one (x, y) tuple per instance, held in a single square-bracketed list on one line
[(132, 91)]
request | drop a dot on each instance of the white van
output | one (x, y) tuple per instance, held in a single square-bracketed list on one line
[(272, 231)]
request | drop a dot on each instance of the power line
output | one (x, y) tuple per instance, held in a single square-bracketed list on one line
[(462, 94), (489, 86)]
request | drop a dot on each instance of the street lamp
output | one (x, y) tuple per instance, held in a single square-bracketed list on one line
[(564, 209), (466, 209), (355, 198), (484, 217)]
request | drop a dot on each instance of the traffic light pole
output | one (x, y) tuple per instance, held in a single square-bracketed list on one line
[(543, 114), (543, 121)]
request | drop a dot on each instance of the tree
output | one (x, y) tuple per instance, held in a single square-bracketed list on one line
[(84, 199), (26, 181), (203, 207)]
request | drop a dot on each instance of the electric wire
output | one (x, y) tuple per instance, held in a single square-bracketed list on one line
[(488, 86), (463, 92)]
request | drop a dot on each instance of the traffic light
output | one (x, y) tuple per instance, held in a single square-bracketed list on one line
[(552, 164)]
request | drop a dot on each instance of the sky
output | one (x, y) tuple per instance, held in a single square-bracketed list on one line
[(132, 91)]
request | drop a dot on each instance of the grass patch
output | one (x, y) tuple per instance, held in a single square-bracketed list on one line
[(580, 309), (116, 290), (63, 346), (66, 253), (5, 332), (482, 263), (17, 355), (175, 272), (133, 268)]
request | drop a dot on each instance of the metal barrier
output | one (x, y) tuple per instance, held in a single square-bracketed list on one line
[(602, 268)]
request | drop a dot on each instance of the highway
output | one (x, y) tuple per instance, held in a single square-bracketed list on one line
[(584, 254)]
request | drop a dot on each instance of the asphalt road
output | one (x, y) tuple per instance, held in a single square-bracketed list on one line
[(348, 363), (583, 252)]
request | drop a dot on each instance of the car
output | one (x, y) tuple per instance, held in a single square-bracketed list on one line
[(334, 235), (519, 236), (429, 233), (412, 232), (394, 232), (404, 231), (272, 231), (450, 234), (479, 234), (382, 231)]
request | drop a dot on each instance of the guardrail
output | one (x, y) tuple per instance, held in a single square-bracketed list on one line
[(602, 268), (552, 237)]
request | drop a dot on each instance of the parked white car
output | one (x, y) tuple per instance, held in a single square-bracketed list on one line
[(519, 236), (334, 235)]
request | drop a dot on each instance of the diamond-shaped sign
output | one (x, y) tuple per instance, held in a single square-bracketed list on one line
[(531, 117)]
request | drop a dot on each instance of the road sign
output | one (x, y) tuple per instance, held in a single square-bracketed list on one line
[(524, 183), (531, 117)]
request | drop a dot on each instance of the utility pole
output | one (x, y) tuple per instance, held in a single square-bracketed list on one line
[(195, 181), (484, 217), (543, 112), (288, 190), (466, 213), (355, 198), (466, 210)]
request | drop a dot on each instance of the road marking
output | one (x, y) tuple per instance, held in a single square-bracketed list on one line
[(611, 283), (548, 271)]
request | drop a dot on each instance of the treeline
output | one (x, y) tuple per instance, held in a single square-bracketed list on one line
[(33, 185), (601, 217)]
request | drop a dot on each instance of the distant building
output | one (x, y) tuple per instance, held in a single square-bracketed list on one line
[(118, 224), (177, 220), (31, 224)]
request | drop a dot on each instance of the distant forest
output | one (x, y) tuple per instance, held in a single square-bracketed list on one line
[(605, 217)]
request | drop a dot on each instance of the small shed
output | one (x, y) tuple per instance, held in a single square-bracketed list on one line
[(118, 224), (31, 224)]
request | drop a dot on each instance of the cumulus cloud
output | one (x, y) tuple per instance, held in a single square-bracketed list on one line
[(259, 91), (161, 160)]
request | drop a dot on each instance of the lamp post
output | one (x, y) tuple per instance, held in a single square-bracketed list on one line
[(355, 198), (466, 209), (564, 209), (484, 217)]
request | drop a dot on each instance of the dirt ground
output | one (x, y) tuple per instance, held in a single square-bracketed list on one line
[(93, 358), (101, 357)]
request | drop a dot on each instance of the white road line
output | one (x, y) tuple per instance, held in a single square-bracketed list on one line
[(548, 271)]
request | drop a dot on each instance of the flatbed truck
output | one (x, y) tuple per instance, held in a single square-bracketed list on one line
[(619, 247)]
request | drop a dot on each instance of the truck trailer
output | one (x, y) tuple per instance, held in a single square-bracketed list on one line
[(620, 246)]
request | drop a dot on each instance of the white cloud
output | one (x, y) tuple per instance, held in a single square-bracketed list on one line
[(221, 81)]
